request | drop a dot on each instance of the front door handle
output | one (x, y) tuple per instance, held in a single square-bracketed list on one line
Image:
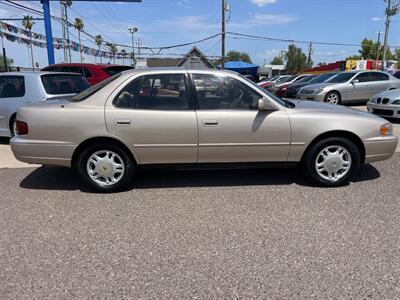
[(209, 122), (119, 122)]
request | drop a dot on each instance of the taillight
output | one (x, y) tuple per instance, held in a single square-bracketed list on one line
[(21, 128)]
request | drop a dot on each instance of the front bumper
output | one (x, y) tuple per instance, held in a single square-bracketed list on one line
[(42, 152), (380, 148), (384, 110), (312, 97)]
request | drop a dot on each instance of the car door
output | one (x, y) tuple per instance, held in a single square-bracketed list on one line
[(379, 83), (359, 88), (12, 96), (154, 115), (231, 128)]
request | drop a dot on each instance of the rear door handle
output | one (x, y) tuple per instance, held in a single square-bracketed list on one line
[(209, 122), (119, 122)]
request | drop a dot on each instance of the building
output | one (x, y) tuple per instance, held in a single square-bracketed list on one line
[(194, 59)]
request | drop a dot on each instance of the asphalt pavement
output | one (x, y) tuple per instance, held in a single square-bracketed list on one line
[(239, 234)]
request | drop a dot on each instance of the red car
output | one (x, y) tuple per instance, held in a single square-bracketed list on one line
[(93, 73)]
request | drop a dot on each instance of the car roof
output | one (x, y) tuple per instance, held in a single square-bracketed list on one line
[(37, 73), (86, 65)]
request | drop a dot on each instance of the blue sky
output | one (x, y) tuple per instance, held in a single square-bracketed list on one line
[(167, 22)]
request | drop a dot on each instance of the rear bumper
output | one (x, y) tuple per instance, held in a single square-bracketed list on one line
[(381, 148), (42, 152), (384, 110)]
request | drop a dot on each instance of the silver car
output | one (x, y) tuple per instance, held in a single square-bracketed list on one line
[(346, 87), (286, 81), (161, 117), (17, 89), (386, 104)]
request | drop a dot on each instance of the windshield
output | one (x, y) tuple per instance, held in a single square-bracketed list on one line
[(93, 89), (341, 77), (256, 86), (305, 79), (60, 84), (322, 78)]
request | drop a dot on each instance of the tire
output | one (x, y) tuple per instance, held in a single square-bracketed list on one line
[(100, 164), (333, 98), (13, 122), (321, 161)]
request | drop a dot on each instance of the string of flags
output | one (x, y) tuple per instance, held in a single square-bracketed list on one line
[(58, 43)]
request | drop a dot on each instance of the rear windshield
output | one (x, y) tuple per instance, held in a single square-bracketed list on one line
[(12, 86), (116, 69), (60, 84), (341, 78), (93, 89)]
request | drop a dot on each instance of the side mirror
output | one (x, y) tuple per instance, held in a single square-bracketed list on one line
[(355, 81), (265, 104)]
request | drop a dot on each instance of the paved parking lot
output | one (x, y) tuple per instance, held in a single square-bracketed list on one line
[(204, 234)]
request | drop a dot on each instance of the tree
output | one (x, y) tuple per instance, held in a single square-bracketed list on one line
[(28, 24), (10, 61), (124, 53), (78, 24), (369, 50), (113, 50), (296, 59), (277, 61), (98, 39), (235, 56)]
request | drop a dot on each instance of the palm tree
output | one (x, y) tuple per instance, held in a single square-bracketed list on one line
[(123, 52), (98, 39), (78, 24), (28, 24), (113, 50)]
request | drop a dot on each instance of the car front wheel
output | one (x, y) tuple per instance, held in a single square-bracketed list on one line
[(332, 98), (105, 168), (331, 162)]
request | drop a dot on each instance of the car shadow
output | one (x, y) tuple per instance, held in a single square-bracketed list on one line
[(4, 141), (59, 178)]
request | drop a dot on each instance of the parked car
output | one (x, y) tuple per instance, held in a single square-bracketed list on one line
[(396, 74), (278, 79), (292, 90), (111, 129), (346, 87), (17, 89), (282, 88), (386, 104), (292, 79), (93, 73)]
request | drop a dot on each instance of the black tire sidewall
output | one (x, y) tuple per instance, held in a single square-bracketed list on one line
[(330, 93), (310, 157), (130, 169)]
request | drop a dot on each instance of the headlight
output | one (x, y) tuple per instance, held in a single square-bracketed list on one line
[(386, 129), (317, 91), (397, 102)]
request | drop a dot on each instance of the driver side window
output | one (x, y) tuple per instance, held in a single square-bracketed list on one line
[(223, 92)]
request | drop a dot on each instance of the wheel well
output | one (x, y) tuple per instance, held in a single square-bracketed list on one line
[(342, 134), (98, 140), (13, 116)]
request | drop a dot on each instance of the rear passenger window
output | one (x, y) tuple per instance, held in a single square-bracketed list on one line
[(157, 92), (377, 76), (86, 73), (12, 86)]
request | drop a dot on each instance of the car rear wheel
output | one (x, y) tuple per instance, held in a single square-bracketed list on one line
[(105, 168), (332, 98), (331, 162)]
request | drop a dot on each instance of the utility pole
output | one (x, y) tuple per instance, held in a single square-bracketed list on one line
[(133, 31), (391, 10), (223, 36), (378, 46), (63, 23), (310, 51)]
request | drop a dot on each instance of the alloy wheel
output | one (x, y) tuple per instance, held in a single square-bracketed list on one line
[(332, 98)]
